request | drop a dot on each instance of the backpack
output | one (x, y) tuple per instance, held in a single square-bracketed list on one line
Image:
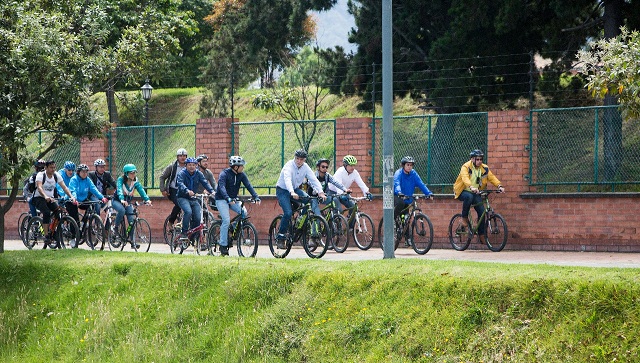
[(31, 182)]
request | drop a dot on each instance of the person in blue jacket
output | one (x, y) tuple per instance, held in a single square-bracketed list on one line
[(126, 185), (82, 189), (405, 181), (187, 181), (228, 187), (67, 172)]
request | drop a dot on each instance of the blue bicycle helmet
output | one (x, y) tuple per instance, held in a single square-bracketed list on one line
[(191, 160), (70, 165)]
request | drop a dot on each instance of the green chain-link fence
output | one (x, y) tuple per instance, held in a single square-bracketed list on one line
[(439, 143), (267, 146), (68, 151), (584, 149), (151, 149)]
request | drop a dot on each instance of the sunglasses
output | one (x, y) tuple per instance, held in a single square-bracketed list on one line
[(324, 166), (478, 159)]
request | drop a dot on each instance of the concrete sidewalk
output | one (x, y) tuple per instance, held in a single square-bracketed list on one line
[(589, 259)]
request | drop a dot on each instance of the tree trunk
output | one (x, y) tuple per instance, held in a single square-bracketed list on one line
[(612, 121), (15, 181), (111, 105)]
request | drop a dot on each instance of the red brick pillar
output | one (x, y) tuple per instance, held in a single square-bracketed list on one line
[(90, 150), (214, 139), (354, 137)]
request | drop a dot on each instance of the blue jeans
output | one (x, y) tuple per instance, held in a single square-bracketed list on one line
[(284, 199), (190, 212), (32, 208), (223, 209), (121, 210), (315, 204), (468, 199)]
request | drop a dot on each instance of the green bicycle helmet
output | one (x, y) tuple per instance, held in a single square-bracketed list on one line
[(350, 160), (129, 168)]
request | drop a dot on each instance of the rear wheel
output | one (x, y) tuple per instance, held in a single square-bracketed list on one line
[(167, 230), (213, 237), (116, 236), (364, 231), (459, 235), (422, 234), (34, 233), (396, 240), (22, 225), (497, 233), (248, 240), (273, 246), (67, 232), (316, 237), (339, 232)]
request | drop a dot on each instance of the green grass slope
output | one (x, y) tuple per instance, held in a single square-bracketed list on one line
[(79, 306)]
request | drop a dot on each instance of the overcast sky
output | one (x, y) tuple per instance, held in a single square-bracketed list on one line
[(334, 26)]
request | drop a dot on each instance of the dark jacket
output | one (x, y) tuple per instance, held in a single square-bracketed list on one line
[(229, 185), (168, 175), (186, 182), (106, 179)]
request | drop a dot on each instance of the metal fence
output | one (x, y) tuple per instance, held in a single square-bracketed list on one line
[(150, 148), (68, 151), (439, 143), (583, 149), (268, 145)]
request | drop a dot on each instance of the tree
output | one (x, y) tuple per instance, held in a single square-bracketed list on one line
[(46, 78)]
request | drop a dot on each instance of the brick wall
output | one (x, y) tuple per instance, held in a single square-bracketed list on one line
[(536, 221)]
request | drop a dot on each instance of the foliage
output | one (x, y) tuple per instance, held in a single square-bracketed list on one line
[(253, 310), (612, 69)]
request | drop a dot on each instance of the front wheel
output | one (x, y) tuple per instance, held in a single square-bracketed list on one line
[(94, 231), (363, 231), (273, 246), (23, 221), (213, 237), (497, 233), (247, 240), (459, 235), (316, 237), (34, 232), (339, 232), (142, 239), (67, 232), (396, 240), (422, 234)]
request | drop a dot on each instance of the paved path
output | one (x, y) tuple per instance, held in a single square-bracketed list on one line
[(590, 259)]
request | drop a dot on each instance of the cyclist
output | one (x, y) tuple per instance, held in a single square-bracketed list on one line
[(203, 164), (47, 182), (325, 178), (67, 172), (28, 190), (82, 189), (473, 177), (229, 182), (168, 182), (126, 185), (405, 181), (293, 173), (186, 181), (347, 175), (102, 179)]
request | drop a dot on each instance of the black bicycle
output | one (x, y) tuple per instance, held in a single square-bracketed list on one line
[(311, 230), (361, 224), (62, 230), (241, 230), (496, 231), (118, 237), (411, 225), (91, 227), (338, 225)]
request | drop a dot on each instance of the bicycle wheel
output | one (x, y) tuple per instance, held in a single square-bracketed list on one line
[(247, 240), (22, 225), (177, 245), (95, 231), (316, 237), (142, 237), (34, 232), (459, 235), (213, 237), (396, 240), (363, 231), (167, 230), (116, 236), (339, 232), (67, 232), (421, 234), (496, 233), (273, 246)]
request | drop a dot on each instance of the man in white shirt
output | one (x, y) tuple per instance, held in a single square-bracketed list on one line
[(292, 175), (45, 194), (346, 176)]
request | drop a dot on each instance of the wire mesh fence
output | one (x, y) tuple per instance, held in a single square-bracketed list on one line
[(268, 145), (67, 151), (440, 144), (150, 149), (583, 149)]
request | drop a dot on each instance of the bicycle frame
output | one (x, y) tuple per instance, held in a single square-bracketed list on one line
[(488, 211)]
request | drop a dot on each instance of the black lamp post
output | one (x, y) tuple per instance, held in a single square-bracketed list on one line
[(146, 96)]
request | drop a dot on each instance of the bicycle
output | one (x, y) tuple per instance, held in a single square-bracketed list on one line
[(168, 228), (338, 225), (63, 228), (496, 231), (315, 241), (363, 231), (196, 236), (141, 239), (412, 225), (91, 226), (240, 230)]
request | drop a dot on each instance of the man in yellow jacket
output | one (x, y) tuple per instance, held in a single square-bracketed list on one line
[(473, 177)]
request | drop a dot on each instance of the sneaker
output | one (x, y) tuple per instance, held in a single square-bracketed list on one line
[(312, 243), (73, 243), (224, 250), (280, 238), (183, 236), (135, 247)]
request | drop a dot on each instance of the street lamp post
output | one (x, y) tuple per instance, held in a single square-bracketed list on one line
[(146, 96)]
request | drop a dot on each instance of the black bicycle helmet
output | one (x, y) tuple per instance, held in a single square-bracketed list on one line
[(476, 153), (320, 161), (301, 153), (82, 167), (202, 157), (407, 159)]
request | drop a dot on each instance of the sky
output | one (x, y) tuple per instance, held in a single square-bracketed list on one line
[(334, 26)]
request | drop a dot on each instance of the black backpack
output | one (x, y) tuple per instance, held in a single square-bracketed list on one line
[(31, 182)]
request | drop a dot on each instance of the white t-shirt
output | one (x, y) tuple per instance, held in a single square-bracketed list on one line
[(347, 179), (48, 184)]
